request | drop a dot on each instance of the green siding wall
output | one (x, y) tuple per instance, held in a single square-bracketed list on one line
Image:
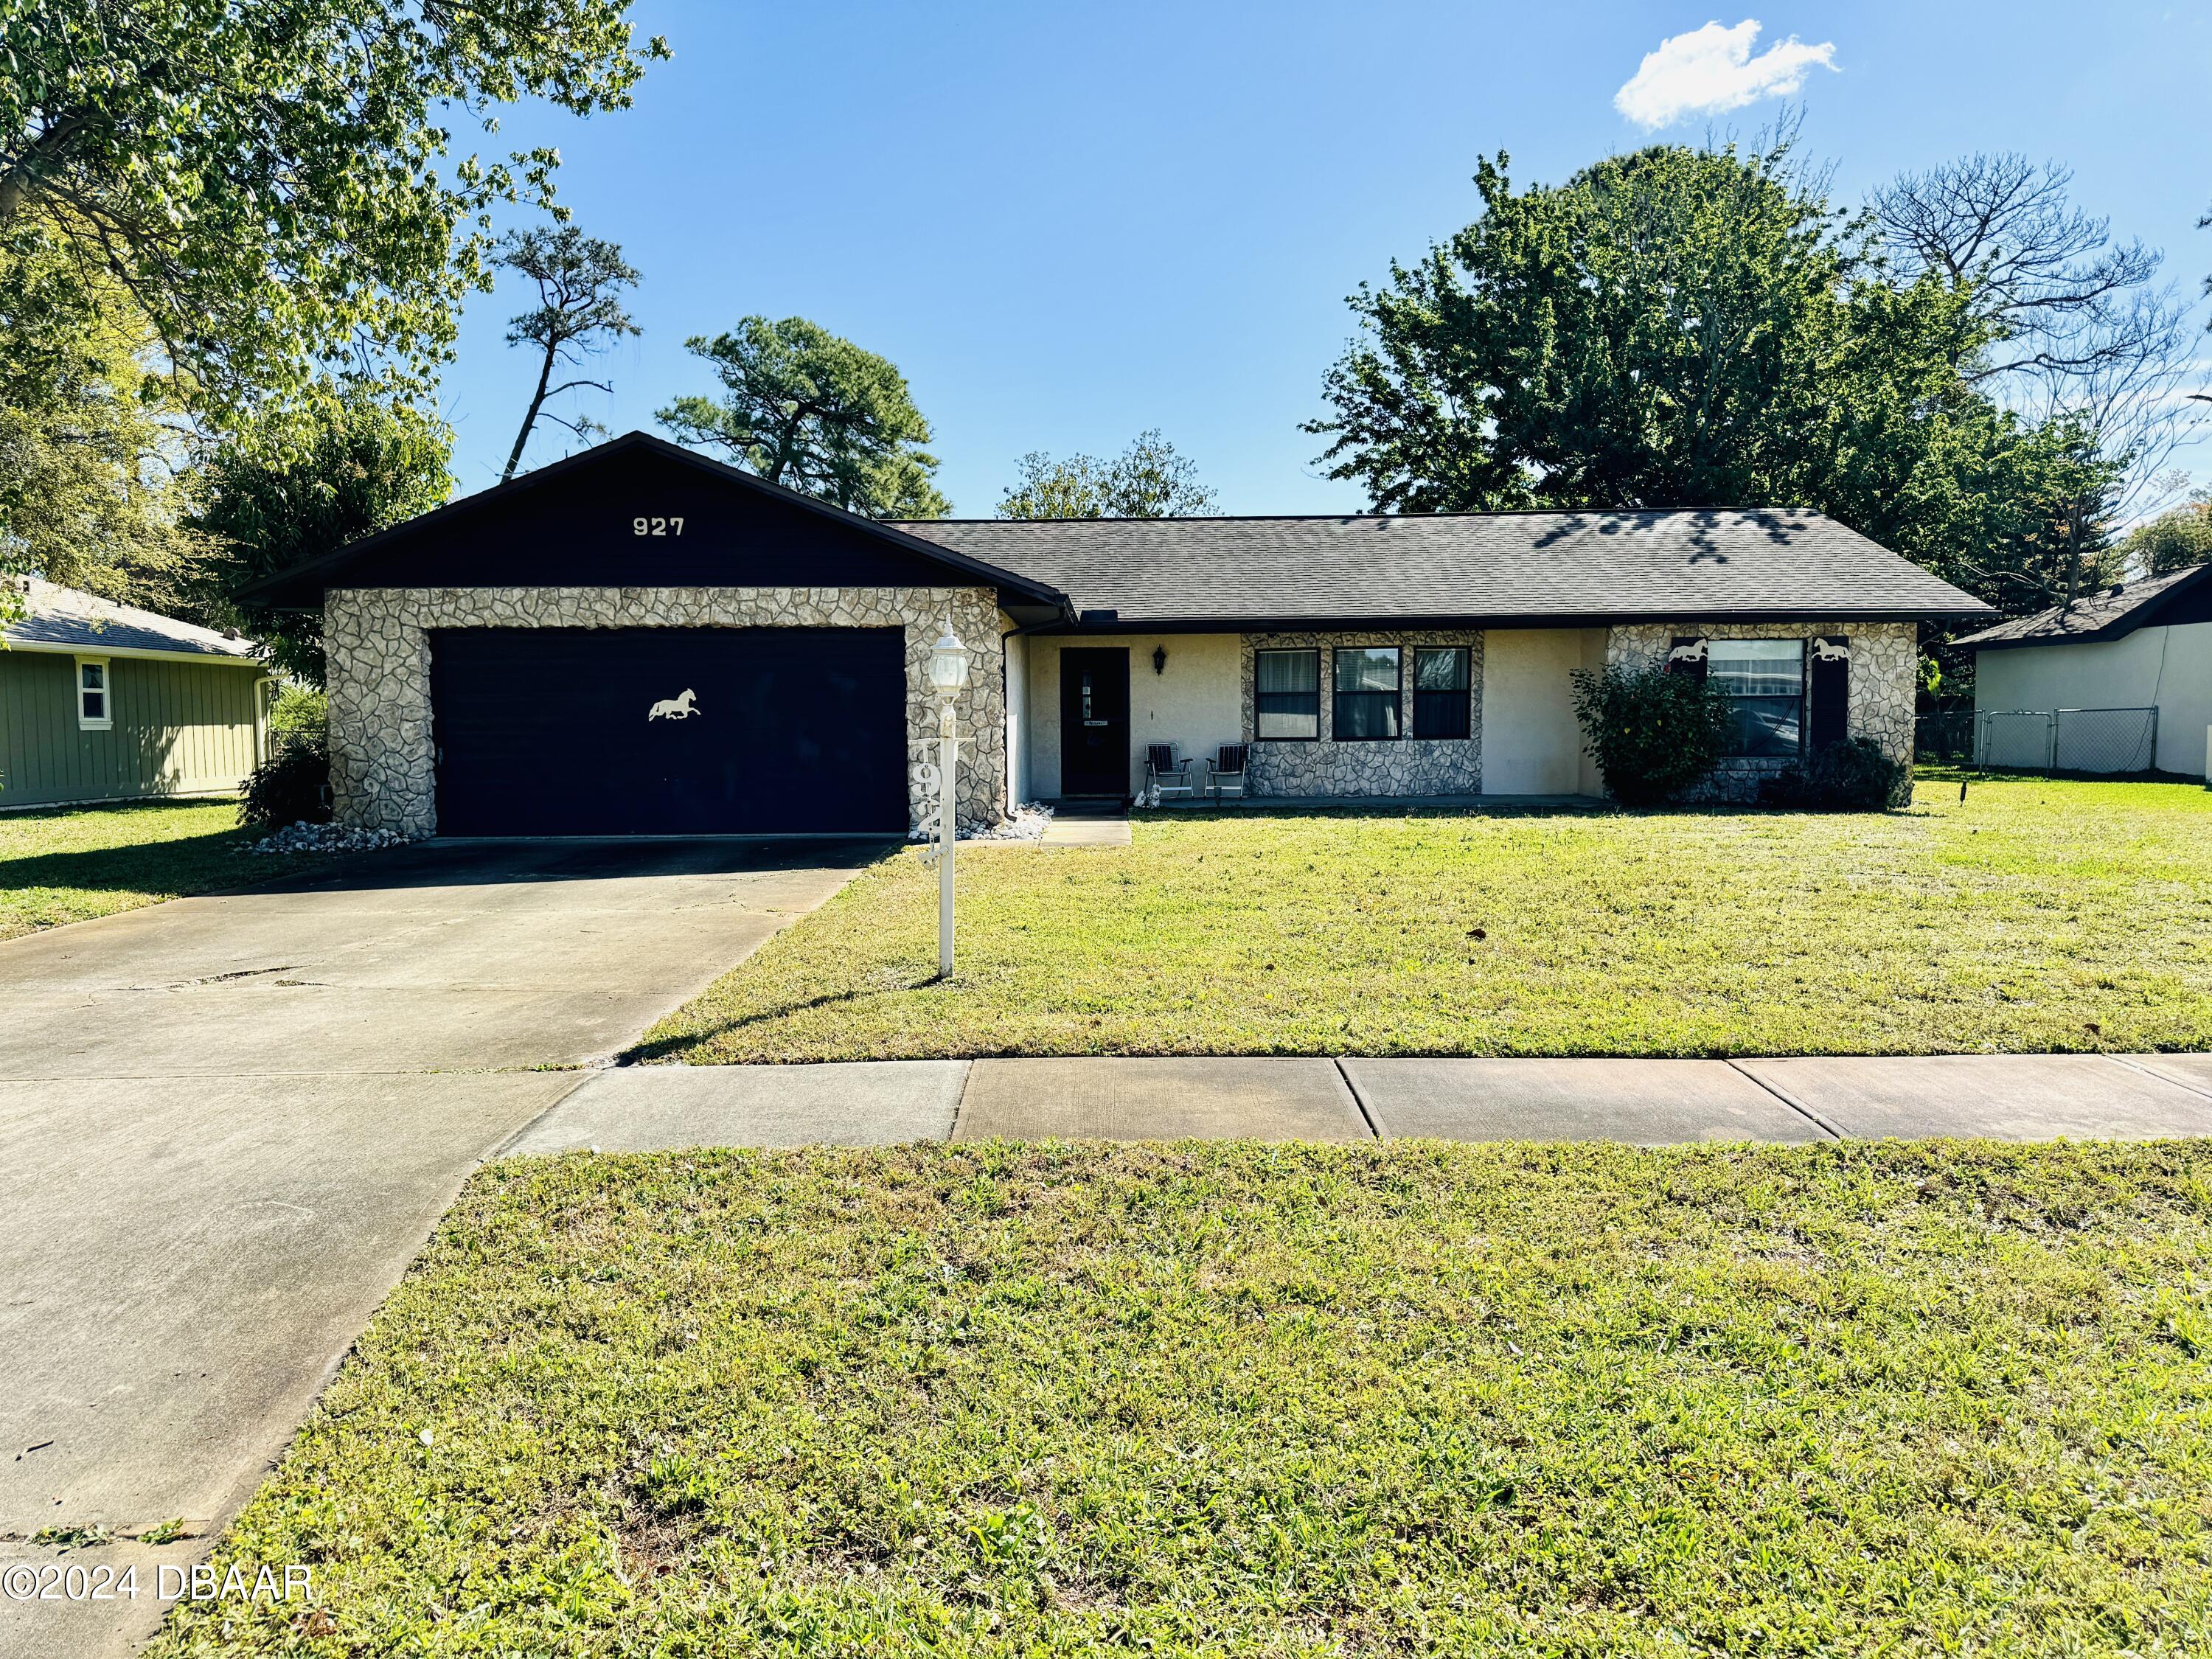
[(180, 728)]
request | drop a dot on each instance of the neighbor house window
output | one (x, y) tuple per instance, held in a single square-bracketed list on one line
[(1366, 693), (1287, 688), (93, 713), (1440, 692), (1763, 681)]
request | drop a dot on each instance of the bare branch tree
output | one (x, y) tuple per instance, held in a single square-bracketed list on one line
[(580, 313), (2077, 325)]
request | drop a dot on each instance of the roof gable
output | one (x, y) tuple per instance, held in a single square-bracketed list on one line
[(640, 512), (2109, 613)]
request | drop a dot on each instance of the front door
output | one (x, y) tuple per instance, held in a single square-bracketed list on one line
[(1094, 722)]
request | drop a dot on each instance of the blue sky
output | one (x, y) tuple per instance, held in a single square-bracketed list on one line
[(1069, 222)]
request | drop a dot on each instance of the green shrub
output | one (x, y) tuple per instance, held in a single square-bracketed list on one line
[(299, 711), (293, 784), (1655, 735), (1851, 776)]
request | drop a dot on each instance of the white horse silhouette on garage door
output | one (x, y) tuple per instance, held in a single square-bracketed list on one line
[(674, 708)]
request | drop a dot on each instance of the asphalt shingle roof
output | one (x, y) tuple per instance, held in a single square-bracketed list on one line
[(1501, 567), (2104, 613), (69, 616)]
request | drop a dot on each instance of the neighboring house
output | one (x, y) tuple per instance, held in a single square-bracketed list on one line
[(2134, 646), (104, 702), (639, 639)]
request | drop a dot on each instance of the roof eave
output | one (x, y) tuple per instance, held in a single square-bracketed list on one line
[(1339, 623), (132, 653)]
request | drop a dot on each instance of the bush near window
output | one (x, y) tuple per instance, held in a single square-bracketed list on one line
[(1654, 735), (1851, 776), (293, 784)]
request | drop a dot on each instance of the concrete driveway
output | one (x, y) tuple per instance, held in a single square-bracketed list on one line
[(228, 1123)]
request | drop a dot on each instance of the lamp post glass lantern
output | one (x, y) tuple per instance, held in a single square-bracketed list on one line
[(948, 678)]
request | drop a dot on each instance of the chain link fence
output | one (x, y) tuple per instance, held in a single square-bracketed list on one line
[(1944, 736), (2093, 741)]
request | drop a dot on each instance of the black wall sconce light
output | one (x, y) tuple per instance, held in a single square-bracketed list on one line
[(1159, 660)]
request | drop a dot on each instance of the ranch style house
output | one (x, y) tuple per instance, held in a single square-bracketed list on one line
[(640, 639), (102, 702)]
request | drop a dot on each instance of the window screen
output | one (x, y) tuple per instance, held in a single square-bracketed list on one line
[(1286, 691), (91, 694), (1440, 692), (1367, 684), (1763, 681)]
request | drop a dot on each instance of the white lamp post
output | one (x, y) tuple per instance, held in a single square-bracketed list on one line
[(948, 678)]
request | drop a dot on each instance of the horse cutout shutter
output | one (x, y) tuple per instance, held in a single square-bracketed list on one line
[(1827, 690), (1687, 657)]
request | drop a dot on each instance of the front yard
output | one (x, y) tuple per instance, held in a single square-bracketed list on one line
[(2034, 916), (1226, 1399), (66, 864)]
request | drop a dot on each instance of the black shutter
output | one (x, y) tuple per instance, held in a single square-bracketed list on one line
[(1828, 691), (1693, 667)]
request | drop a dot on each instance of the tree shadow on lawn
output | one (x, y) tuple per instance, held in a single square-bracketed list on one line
[(646, 1053), (139, 867)]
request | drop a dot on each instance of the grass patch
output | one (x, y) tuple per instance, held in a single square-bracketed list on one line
[(70, 863), (1230, 1399), (2034, 916)]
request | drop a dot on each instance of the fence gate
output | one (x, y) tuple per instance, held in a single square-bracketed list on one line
[(2094, 740)]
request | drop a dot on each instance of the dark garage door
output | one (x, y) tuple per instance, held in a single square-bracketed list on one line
[(554, 730)]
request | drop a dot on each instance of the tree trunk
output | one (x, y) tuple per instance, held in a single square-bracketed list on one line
[(43, 155), (536, 403)]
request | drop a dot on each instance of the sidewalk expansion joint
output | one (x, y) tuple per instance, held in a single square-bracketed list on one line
[(1366, 1113), (1790, 1100), (2159, 1076)]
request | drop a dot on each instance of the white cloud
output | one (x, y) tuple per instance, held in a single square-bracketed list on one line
[(1712, 69)]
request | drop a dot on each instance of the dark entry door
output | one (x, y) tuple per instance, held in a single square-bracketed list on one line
[(1094, 721), (669, 731)]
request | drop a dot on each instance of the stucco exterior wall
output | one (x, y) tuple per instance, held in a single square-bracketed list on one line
[(1408, 766), (1532, 745), (1016, 670), (378, 641), (1884, 677), (1191, 702), (2169, 669)]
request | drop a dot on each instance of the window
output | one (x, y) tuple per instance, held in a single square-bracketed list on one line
[(1440, 692), (1366, 693), (1287, 686), (1763, 681), (93, 713)]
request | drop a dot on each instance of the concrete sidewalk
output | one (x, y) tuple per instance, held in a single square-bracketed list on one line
[(1641, 1101)]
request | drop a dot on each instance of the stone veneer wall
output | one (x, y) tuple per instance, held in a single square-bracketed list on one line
[(378, 641), (1408, 766), (1884, 679)]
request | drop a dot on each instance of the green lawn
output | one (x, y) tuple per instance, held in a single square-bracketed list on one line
[(2034, 915), (1225, 1399), (74, 862)]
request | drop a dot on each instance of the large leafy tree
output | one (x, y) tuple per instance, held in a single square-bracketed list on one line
[(2176, 539), (580, 312), (2067, 323), (1147, 480), (96, 465), (269, 188), (365, 464), (1684, 328), (815, 413)]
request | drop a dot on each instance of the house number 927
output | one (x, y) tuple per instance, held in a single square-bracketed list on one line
[(656, 526)]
